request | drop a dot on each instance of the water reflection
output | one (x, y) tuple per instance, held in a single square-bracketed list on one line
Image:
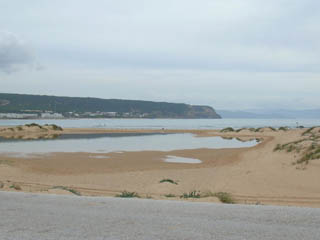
[(75, 136)]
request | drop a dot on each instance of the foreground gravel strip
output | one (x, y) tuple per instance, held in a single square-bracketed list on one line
[(33, 216)]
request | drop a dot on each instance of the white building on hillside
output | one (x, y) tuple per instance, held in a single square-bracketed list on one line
[(51, 115), (18, 115)]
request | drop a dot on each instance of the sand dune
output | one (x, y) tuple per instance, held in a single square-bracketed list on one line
[(256, 175)]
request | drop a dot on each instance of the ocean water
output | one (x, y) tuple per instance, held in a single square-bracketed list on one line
[(168, 123), (119, 143)]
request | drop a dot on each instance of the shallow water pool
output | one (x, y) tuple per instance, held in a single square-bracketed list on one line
[(106, 143), (176, 159)]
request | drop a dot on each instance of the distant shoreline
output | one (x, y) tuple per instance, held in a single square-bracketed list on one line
[(104, 118)]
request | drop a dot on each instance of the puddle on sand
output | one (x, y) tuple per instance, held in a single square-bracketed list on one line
[(100, 157), (176, 159)]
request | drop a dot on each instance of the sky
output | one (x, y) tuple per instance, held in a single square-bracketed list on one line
[(229, 54)]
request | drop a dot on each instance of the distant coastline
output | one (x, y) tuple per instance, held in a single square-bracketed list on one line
[(23, 106), (270, 114)]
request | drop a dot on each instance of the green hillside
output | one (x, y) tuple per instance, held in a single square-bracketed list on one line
[(20, 103)]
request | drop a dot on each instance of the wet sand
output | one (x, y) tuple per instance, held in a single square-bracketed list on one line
[(255, 175)]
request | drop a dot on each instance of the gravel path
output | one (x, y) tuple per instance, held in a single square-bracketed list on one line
[(32, 216)]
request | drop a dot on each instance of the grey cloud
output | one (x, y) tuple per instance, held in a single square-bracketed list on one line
[(253, 53), (14, 54), (247, 35), (230, 35)]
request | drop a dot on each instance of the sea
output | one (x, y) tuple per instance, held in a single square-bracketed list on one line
[(118, 123)]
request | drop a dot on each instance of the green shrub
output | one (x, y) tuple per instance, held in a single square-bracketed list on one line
[(55, 127), (16, 186), (126, 194), (312, 154), (33, 125), (228, 129), (308, 131), (271, 128), (240, 129), (170, 195), (193, 194), (224, 197), (169, 181), (75, 192)]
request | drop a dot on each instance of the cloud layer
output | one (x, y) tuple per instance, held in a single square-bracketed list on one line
[(226, 53), (14, 54)]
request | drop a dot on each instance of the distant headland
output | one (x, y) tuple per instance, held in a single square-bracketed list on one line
[(24, 106)]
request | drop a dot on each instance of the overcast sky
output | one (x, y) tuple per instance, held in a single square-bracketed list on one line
[(229, 54)]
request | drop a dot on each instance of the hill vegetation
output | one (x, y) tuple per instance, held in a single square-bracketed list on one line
[(22, 103)]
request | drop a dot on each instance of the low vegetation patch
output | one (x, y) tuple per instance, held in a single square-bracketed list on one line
[(240, 129), (257, 129), (291, 146), (170, 195), (54, 127), (228, 129), (75, 192), (312, 154), (33, 125), (126, 194), (193, 194), (6, 162), (262, 128), (283, 129), (249, 129), (308, 131), (224, 197), (278, 148), (308, 147), (16, 186), (169, 181)]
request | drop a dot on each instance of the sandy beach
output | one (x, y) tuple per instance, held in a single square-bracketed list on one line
[(267, 173)]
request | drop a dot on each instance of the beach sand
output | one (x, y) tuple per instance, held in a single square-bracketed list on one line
[(255, 175)]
